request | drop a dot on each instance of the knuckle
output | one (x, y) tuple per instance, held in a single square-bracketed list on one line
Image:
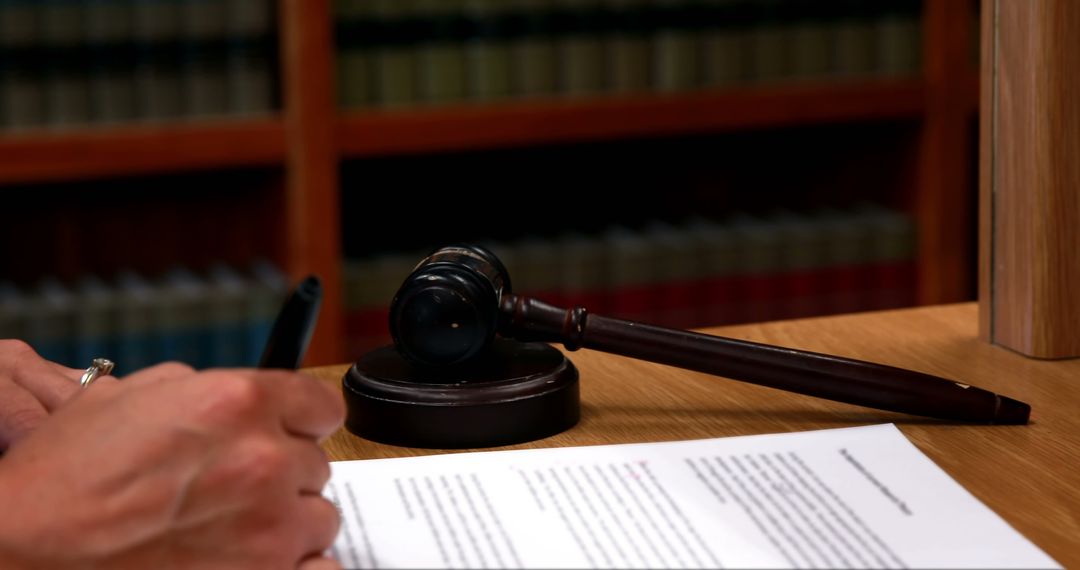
[(263, 461), (236, 395), (13, 350), (15, 346), (161, 372), (171, 369)]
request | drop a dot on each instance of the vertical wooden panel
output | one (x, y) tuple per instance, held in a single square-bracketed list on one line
[(943, 199), (987, 64), (311, 197), (1032, 268)]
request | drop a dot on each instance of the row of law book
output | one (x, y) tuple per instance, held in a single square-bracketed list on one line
[(65, 63), (695, 273), (394, 53), (220, 317)]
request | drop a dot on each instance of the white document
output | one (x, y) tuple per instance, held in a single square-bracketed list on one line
[(861, 497)]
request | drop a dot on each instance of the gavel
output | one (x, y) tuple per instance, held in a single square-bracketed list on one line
[(455, 302)]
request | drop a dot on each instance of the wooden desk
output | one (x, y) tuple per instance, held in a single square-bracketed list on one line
[(1030, 475)]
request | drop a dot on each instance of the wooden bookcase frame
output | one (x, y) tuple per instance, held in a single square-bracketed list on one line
[(310, 137)]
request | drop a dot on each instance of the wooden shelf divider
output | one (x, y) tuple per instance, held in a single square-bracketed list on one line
[(363, 133), (94, 152)]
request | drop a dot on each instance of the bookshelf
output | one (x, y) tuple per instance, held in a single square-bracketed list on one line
[(302, 146)]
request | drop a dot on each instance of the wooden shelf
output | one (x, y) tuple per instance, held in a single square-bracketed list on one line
[(472, 127), (92, 152)]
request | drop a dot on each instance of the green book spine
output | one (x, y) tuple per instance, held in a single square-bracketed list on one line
[(579, 47), (205, 82), (717, 251), (440, 52), (627, 46), (854, 54), (532, 48), (159, 92), (811, 39), (724, 39), (899, 38), (487, 49), (67, 95), (395, 55), (675, 46), (356, 36), (584, 279), (769, 41), (249, 33), (109, 34), (22, 87), (12, 311)]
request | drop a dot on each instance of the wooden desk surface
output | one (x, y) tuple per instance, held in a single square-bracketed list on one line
[(1030, 475)]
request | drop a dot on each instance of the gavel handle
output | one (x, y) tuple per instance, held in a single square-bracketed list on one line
[(814, 374)]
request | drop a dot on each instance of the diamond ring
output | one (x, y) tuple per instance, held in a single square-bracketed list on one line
[(98, 367)]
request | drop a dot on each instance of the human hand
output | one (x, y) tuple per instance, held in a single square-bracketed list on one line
[(173, 468), (31, 388)]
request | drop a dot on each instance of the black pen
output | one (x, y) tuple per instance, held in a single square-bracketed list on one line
[(293, 327)]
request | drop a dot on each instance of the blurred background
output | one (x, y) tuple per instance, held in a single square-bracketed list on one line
[(170, 167)]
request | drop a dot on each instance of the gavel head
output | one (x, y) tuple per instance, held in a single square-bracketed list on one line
[(447, 310)]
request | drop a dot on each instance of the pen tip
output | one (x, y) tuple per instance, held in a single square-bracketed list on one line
[(1010, 411)]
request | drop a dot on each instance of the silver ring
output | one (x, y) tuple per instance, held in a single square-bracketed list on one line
[(98, 367)]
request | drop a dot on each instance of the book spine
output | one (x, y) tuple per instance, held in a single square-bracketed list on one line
[(184, 317), (51, 329), (677, 276), (532, 48), (584, 280), (487, 50), (847, 256), (811, 39), (539, 269), (627, 46), (893, 264), (94, 321), (580, 50), (395, 56), (759, 262), (250, 56), (803, 277), (440, 52), (631, 262), (675, 45), (22, 83), (226, 293), (716, 249), (204, 70), (159, 91), (139, 341), (67, 92), (898, 38), (109, 35), (356, 35), (854, 39), (13, 304), (768, 41), (724, 43)]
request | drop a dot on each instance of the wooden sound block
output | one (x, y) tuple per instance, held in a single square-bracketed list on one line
[(514, 392)]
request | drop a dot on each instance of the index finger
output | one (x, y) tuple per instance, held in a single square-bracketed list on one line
[(308, 407)]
